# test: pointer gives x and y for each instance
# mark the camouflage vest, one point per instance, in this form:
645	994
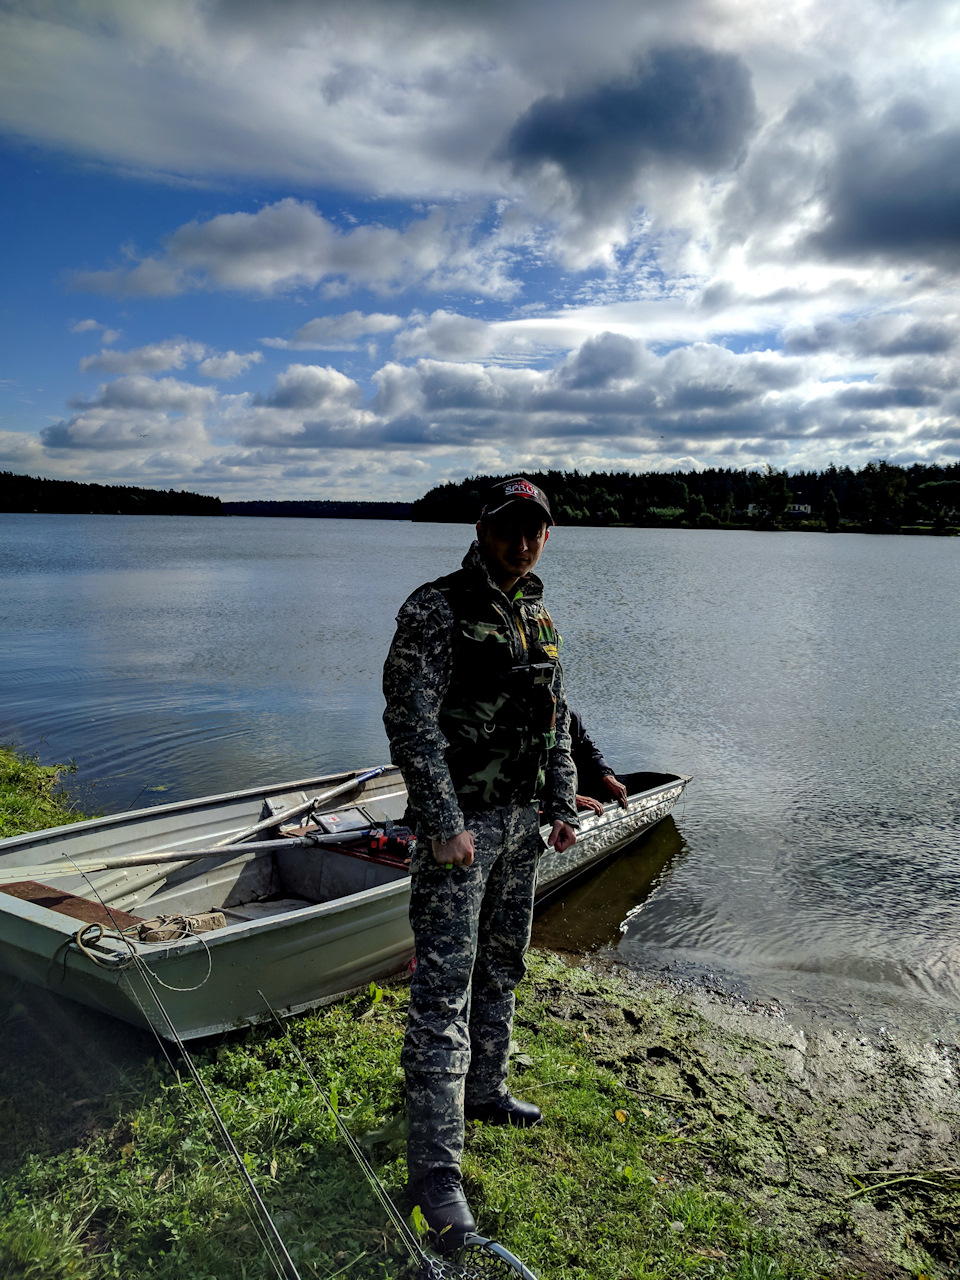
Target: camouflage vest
499	712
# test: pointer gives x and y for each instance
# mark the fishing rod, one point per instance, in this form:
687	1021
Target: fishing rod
306	806
477	1259
317	840
238	845
267	1228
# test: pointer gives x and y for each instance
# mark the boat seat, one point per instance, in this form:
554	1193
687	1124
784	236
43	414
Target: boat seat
261	910
68	904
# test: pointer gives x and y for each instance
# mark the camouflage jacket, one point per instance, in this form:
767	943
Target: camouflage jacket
438	693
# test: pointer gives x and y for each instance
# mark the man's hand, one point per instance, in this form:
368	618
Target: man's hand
562	836
588	802
457	850
616	789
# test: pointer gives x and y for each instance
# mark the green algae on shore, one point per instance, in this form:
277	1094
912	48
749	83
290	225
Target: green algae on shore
848	1146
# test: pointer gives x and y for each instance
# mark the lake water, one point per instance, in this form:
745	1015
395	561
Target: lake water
808	683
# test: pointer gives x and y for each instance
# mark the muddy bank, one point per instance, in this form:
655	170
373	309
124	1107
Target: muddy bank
848	1144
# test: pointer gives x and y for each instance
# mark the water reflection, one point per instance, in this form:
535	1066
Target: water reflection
588	918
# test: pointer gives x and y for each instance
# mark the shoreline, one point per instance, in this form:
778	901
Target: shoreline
751	1149
846	1144
724	1140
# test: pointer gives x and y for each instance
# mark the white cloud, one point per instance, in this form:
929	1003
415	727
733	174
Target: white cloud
157	357
447	335
337	332
135	413
311	386
173	353
229	365
138	392
108	336
290	245
20	451
614	397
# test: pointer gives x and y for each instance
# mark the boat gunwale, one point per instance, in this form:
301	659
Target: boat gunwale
107	820
615	813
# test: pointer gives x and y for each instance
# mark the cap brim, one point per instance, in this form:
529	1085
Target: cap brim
520	502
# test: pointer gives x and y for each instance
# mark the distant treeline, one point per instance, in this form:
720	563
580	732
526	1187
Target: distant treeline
314	510
68	497
879	498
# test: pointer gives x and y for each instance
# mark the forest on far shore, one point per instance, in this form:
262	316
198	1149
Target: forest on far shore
72	497
879	498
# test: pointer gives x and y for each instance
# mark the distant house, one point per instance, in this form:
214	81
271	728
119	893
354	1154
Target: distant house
794	509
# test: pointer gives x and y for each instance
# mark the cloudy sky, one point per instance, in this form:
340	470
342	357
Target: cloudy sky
300	248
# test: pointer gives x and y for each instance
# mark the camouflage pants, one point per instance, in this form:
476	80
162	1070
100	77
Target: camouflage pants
471	927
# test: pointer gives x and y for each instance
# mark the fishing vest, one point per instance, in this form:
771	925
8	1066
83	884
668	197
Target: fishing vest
499	713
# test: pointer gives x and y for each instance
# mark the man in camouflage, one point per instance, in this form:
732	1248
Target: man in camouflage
478	724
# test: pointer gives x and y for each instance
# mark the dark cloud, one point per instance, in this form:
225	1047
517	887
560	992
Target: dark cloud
607	358
909	115
894	195
57	436
886	336
406	431
686	105
699	396
828	100
866	397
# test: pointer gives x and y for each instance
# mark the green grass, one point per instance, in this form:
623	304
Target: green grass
606	1187
30	794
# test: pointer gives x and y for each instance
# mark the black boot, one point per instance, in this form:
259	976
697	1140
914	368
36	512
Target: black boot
439	1194
505	1110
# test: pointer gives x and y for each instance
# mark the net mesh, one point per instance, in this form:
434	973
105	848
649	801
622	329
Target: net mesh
478	1259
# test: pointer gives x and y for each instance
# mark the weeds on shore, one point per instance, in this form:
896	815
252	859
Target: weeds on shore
30	794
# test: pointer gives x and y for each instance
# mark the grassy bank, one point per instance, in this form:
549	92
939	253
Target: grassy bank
683	1137
130	1182
673	1146
30	794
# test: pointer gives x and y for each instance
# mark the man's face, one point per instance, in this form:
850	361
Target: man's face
511	541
